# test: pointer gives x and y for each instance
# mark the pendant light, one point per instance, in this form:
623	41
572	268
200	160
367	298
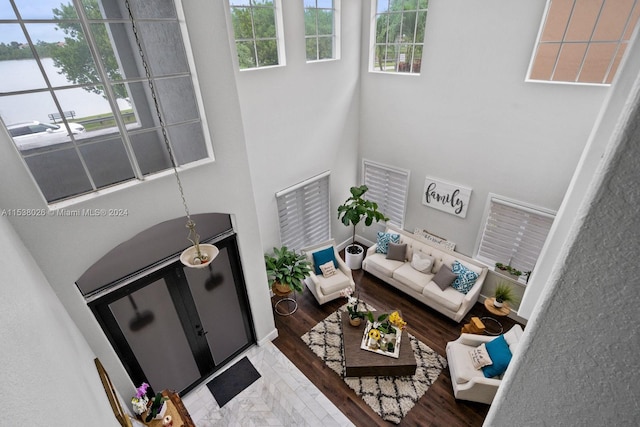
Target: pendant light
199	255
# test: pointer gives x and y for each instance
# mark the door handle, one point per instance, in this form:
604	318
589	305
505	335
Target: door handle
200	331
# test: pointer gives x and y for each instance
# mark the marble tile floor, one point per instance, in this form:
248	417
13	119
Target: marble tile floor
282	396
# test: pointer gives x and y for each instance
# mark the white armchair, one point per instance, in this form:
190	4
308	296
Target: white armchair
325	289
469	383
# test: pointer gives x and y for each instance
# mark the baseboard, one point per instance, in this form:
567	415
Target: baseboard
359	239
269	337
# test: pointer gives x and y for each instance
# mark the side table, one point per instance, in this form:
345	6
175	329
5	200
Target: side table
284	299
493	326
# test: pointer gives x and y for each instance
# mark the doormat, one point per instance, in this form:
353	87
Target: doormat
231	382
390	397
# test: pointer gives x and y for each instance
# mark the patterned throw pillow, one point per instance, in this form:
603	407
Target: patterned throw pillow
466	278
383	241
480	357
328	269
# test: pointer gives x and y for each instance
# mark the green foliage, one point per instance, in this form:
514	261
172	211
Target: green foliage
505	293
356	208
74	57
508	269
287	267
156	404
255	24
384	325
318	23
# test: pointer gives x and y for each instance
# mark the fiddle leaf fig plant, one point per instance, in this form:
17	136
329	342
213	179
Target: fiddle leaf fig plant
356	208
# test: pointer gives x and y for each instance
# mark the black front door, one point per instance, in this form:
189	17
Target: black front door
175	326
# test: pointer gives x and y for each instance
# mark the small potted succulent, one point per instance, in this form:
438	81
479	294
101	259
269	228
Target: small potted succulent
509	271
504	294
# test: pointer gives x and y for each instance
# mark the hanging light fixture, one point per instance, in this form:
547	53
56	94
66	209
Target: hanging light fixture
199	255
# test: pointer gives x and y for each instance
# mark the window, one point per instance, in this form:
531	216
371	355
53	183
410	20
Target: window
388	188
256	31
583	41
75	99
398	36
303	210
513	233
320	29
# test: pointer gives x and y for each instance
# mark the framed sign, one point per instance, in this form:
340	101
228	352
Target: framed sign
447	197
437	240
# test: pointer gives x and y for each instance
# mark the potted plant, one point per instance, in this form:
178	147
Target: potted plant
286	270
508	270
504	294
351	212
157	408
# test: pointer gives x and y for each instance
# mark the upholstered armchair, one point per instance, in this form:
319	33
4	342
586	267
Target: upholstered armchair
326	287
468	382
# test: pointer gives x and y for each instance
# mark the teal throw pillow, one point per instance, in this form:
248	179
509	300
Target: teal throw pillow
322	257
466	278
383	241
500	356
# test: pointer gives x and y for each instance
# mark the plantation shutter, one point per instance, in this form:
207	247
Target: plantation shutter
303	211
388	188
513	234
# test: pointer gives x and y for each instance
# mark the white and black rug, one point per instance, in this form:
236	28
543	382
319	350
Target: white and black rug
390	397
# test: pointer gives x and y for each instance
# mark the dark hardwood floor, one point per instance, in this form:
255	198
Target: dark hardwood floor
437	407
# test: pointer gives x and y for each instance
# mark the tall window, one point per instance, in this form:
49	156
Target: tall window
256	28
388	188
513	233
75	99
321	25
583	41
398	36
303	211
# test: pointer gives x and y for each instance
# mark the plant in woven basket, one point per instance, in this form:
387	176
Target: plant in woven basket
287	268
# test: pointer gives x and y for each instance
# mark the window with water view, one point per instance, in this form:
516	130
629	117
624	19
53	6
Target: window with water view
75	99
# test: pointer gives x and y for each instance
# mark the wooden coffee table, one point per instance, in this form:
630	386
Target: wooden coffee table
363	363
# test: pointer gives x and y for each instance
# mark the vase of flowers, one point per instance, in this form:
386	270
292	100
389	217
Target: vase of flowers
353	307
140	401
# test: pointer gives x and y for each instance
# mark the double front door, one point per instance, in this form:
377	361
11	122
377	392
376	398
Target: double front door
175	326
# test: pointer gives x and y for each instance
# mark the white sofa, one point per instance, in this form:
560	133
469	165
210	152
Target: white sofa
402	275
470	383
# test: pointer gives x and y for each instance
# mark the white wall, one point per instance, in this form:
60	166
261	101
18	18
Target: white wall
64	247
302	119
471	119
578	362
47	370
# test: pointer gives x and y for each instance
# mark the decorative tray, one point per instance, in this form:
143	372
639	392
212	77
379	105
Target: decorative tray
379	346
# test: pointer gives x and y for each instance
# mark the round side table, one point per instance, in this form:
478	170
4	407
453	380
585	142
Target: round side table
493	326
289	305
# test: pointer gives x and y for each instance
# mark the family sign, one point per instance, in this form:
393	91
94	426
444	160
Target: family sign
447	197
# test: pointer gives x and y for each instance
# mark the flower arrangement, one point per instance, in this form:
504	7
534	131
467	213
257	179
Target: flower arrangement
140	400
353	304
383	329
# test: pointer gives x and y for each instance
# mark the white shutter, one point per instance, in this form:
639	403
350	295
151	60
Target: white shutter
303	211
388	188
513	234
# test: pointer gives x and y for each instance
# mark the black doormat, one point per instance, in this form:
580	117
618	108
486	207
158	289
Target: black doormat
228	384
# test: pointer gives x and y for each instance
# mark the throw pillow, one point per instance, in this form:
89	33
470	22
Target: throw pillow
383	241
397	251
444	277
480	357
422	262
322	257
500	355
328	269
465	278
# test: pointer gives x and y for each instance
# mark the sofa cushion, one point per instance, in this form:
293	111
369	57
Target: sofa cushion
411	277
323	256
465	278
380	263
480	357
383	241
334	283
397	251
462	369
444	277
422	262
449	298
500	355
328	269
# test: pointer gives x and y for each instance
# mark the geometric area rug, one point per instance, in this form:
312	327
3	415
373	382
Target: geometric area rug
390	397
